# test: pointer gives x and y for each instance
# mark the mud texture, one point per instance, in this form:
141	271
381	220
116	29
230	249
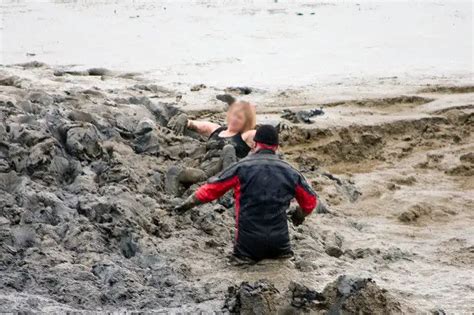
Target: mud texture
345	295
84	199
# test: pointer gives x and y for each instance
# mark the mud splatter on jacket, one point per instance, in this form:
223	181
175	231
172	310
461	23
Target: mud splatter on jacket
263	187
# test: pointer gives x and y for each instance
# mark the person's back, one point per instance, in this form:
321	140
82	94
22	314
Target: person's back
267	185
263	187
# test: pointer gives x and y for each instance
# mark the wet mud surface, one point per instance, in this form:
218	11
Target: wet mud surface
84	223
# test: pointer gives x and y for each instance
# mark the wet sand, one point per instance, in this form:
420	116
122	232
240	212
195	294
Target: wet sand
258	43
84	223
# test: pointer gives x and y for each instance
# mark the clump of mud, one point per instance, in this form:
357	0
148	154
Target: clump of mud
345	295
257	298
349	295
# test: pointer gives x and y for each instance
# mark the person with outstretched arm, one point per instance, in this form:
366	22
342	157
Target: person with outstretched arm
264	186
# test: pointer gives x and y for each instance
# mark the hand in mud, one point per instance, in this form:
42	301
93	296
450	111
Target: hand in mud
296	216
178	123
181	208
188	204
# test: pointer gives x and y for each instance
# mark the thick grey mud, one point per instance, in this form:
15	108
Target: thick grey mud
84	220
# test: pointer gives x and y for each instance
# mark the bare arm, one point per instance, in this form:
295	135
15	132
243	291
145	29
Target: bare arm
248	137
204	128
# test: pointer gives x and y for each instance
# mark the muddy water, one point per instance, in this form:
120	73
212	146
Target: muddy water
259	43
83	208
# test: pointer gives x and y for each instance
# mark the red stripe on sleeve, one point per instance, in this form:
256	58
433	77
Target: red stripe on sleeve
306	200
212	191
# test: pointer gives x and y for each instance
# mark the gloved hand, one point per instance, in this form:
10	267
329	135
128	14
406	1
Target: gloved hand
297	216
178	123
188	204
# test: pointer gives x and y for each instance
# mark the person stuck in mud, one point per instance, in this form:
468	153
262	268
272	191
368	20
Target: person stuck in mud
263	187
225	144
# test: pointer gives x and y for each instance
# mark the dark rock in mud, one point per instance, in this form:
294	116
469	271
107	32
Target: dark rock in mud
241	90
99	71
226	98
345	187
333	244
302	296
128	245
198	87
302	116
438	311
257	298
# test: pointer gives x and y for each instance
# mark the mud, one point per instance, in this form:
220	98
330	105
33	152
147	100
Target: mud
84	199
345	295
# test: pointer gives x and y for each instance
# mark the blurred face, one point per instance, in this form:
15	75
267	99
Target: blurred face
236	121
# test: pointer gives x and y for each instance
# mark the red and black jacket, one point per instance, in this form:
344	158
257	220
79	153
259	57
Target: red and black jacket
263	187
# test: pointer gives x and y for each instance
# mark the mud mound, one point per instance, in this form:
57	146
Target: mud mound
82	202
257	298
384	142
415	213
348	295
345	295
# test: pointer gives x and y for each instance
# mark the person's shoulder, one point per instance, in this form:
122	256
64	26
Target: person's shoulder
288	166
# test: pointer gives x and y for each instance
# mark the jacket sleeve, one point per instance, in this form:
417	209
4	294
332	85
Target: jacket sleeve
218	185
305	195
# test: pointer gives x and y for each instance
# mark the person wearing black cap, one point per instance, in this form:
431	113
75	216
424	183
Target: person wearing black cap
264	186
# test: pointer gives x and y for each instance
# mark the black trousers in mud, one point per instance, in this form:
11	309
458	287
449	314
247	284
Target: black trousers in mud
270	244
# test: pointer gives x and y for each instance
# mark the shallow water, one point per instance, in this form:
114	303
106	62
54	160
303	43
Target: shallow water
257	43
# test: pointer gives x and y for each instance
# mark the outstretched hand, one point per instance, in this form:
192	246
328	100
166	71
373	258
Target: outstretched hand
178	123
181	208
186	205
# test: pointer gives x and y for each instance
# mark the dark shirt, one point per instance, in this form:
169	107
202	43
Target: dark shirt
241	147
